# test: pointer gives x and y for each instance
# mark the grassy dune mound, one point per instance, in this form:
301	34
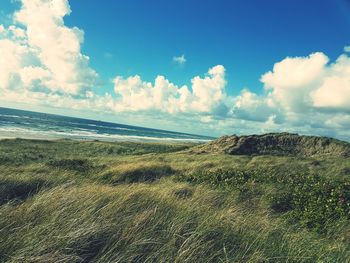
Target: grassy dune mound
284	144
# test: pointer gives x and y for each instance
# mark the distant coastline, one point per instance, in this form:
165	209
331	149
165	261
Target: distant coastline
34	125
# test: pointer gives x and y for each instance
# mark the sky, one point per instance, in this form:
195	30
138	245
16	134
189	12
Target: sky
206	67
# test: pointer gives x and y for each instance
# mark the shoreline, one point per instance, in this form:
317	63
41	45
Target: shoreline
102	138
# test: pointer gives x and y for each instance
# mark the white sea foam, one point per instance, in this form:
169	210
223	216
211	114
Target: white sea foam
18	132
112	128
15	116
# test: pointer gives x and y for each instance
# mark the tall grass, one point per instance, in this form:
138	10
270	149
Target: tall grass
75	202
149	223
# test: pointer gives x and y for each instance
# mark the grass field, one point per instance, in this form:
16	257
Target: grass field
68	201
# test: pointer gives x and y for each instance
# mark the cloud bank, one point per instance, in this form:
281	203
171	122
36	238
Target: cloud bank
41	63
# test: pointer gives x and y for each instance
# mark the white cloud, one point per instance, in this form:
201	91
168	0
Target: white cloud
303	84
292	79
250	106
208	94
181	60
334	92
40	44
13	57
17	32
296	72
306	93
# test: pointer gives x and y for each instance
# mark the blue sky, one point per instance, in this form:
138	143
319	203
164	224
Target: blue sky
127	37
248	38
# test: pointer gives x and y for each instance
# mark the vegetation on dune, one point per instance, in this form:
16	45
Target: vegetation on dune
277	144
67	201
316	202
20	151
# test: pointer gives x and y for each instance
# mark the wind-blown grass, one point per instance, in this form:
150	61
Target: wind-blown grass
147	223
76	202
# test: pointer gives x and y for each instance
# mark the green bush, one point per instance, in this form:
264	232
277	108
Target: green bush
312	200
282	201
317	201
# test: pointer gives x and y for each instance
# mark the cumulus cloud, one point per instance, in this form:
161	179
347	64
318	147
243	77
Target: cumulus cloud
311	92
181	60
250	106
207	94
291	80
334	92
310	83
38	52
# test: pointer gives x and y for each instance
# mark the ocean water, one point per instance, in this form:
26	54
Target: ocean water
33	125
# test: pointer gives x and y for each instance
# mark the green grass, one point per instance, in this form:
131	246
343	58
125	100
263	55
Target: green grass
67	201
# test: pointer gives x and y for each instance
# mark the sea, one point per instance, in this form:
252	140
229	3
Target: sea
34	125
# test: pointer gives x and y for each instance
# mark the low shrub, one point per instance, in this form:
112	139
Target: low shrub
312	200
282	201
